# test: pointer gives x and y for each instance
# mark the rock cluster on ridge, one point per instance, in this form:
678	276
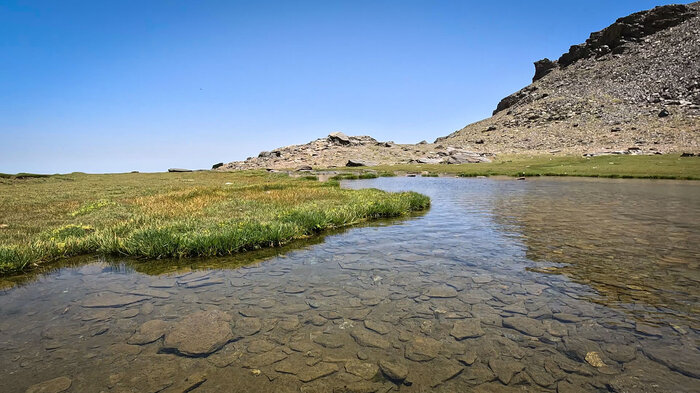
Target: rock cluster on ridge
631	87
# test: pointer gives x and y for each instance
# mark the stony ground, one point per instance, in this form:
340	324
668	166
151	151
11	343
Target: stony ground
633	88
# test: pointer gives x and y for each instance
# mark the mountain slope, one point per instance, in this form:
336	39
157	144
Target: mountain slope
633	87
635	84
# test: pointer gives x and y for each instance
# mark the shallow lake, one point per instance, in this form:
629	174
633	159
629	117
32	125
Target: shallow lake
551	285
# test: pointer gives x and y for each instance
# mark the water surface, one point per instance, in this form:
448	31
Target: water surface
551	285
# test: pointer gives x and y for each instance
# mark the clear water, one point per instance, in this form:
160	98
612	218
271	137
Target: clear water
566	285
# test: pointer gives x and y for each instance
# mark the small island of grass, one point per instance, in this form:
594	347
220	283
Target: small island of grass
175	215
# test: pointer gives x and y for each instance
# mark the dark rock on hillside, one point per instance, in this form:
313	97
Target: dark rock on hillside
179	170
267	154
543	67
217	165
357	162
515	98
628	29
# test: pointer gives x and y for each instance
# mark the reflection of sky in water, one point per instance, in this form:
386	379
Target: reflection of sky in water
462	212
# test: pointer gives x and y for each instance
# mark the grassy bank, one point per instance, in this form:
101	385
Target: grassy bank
175	215
622	166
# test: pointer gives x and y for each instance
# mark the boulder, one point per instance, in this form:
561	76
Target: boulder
360	162
339	138
269	154
217	165
179	170
425	160
304	168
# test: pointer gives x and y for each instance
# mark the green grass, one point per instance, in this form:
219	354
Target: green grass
175	215
615	166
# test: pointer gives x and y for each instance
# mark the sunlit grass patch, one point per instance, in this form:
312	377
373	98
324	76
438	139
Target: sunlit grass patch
162	216
666	166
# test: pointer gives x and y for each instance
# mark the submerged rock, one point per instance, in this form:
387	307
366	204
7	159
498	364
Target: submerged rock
149	332
320	370
56	385
422	349
505	369
394	371
529	326
369	339
593	358
361	369
467	328
379	327
200	333
442	291
109	299
677	359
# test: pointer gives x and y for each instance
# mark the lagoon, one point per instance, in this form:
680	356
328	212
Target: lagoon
551	285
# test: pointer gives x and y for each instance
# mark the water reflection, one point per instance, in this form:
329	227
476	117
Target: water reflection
460	299
635	242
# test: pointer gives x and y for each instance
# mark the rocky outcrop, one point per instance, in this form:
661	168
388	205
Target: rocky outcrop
341	150
631	28
634	84
543	67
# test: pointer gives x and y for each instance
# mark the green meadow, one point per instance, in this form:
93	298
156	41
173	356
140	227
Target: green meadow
613	166
175	215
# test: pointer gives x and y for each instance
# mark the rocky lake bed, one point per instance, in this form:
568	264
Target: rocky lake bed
546	285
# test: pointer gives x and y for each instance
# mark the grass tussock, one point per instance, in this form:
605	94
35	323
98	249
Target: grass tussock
175	215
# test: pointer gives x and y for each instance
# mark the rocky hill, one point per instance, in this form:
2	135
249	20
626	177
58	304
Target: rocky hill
633	86
338	149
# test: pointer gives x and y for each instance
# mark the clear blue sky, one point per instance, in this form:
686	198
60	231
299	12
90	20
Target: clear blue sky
113	86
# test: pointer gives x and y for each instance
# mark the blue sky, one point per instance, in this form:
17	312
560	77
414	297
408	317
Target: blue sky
114	86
